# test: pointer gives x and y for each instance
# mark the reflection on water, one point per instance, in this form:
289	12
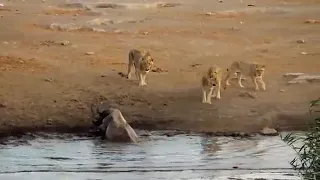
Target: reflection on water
157	157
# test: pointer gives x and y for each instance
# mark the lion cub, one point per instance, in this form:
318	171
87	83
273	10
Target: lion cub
143	62
253	70
211	82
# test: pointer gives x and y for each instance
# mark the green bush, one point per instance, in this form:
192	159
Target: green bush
307	161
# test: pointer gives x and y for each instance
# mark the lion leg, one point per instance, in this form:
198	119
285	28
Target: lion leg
204	96
214	93
140	79
137	72
209	96
130	64
144	79
217	89
254	80
239	80
227	79
262	84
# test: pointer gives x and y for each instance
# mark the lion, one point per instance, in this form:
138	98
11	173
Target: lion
143	63
211	83
253	70
112	125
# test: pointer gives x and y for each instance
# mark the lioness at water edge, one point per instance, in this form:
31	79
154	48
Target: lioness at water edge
211	84
143	63
253	70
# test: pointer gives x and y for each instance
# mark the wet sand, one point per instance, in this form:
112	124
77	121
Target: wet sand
48	86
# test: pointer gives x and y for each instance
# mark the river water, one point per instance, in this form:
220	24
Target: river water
154	157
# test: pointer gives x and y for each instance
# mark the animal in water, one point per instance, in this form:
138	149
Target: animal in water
253	70
211	84
143	63
112	125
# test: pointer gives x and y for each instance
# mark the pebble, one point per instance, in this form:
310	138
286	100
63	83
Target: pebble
269	132
49	121
118	31
3	105
304	53
48	79
235	29
282	90
293	75
209	13
145	33
311	21
65	43
89	53
220	1
300	41
251	5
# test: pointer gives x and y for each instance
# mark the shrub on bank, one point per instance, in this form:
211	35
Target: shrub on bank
307	161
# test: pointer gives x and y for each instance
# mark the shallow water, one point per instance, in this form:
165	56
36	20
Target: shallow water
155	157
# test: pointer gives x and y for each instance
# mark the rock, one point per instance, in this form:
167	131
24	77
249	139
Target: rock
305	78
248	94
251	5
98	30
118	31
300	41
232	178
235	167
269	132
3	105
282	90
49	121
64	27
159	70
145	33
220	1
65	43
5	42
297	81
48	80
209	13
146	134
195	65
304	53
89	53
111	6
235	29
293	75
311	21
100	21
162	5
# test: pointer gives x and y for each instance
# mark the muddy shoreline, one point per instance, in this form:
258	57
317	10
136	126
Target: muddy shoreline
173	126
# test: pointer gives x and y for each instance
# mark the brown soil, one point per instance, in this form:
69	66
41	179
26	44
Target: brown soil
49	86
